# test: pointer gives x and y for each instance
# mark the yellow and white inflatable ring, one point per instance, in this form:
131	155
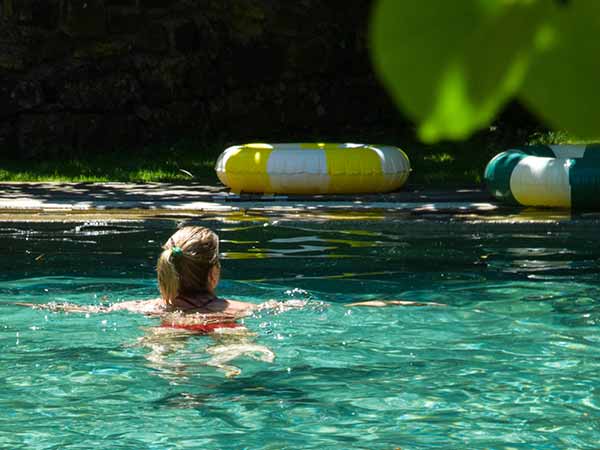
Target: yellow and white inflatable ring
314	168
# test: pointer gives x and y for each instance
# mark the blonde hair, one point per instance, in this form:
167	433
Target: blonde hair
184	266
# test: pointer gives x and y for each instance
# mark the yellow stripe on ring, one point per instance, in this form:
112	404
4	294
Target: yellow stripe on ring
353	175
247	170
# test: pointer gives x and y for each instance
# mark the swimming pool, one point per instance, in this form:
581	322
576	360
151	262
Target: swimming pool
511	362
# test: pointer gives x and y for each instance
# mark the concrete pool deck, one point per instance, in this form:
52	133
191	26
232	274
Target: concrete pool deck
57	201
50	196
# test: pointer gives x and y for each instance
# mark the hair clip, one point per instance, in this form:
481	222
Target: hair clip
176	250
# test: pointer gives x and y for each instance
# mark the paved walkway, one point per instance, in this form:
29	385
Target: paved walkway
197	197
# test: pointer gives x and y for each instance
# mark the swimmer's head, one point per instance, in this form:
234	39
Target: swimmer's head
189	264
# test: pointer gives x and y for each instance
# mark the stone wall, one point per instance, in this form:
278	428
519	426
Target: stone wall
95	75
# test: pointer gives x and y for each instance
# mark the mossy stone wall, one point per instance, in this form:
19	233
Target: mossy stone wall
96	75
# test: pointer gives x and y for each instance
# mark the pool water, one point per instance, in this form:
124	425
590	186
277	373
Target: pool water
512	361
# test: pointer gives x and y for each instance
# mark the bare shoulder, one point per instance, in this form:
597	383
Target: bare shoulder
245	308
154	306
239	308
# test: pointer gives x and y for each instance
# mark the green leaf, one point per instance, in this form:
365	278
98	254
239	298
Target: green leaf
563	82
451	65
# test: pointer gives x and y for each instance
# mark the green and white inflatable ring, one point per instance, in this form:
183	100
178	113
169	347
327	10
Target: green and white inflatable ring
565	176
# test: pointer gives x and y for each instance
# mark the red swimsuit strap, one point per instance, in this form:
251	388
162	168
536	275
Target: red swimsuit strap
200	327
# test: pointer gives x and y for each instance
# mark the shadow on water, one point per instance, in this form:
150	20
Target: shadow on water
272	386
330	250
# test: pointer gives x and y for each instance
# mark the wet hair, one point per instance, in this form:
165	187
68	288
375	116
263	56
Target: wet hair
184	266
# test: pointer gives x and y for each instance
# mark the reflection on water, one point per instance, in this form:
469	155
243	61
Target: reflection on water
167	351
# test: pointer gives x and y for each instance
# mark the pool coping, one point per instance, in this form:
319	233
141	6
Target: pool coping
59	201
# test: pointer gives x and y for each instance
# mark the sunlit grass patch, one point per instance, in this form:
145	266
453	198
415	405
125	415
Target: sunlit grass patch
439	158
174	163
558	137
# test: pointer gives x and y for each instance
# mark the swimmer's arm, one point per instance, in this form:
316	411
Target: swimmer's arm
65	307
385	303
138	306
154	306
296	304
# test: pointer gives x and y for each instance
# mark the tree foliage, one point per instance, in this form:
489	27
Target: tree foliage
452	65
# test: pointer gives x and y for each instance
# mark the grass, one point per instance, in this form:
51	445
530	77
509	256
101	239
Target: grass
443	164
107	169
180	162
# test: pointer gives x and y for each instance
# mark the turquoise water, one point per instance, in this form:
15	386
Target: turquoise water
513	361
